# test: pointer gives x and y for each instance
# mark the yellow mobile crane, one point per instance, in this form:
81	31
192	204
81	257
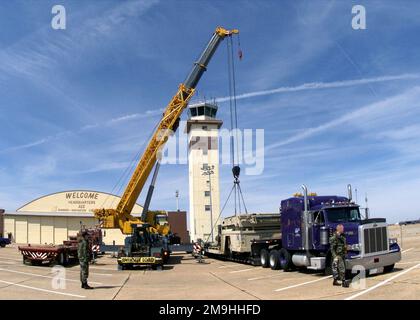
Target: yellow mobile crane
121	217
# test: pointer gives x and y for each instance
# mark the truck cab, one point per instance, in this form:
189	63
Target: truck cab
308	222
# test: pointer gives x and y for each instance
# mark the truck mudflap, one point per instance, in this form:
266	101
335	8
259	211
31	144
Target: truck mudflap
374	261
140	260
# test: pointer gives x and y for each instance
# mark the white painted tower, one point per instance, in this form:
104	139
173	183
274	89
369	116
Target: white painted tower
203	162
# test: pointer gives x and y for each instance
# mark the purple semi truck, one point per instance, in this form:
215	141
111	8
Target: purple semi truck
304	226
307	223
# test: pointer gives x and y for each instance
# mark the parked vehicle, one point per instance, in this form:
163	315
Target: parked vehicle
302	238
4	242
59	254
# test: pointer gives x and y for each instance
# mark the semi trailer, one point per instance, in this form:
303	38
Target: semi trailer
241	238
305	224
40	254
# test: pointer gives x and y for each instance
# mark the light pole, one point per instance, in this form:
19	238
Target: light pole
208	171
177	199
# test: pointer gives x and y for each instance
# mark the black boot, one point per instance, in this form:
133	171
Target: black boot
346	283
86	286
335	282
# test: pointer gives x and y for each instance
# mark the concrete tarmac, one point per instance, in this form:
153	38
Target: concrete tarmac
184	278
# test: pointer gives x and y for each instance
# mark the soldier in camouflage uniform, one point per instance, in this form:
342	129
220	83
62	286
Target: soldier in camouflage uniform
83	254
338	248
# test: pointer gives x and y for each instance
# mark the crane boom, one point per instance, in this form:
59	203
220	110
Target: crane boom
121	216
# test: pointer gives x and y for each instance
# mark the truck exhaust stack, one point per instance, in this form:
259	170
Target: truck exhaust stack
350	196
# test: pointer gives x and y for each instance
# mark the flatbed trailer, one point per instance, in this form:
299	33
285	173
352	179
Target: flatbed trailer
251	258
62	253
241	238
48	254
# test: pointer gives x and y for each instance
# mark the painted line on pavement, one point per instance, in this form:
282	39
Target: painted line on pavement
406	250
43	290
43	276
408	262
302	284
266	277
105	269
90	273
1	257
67	270
228	266
382	283
243	270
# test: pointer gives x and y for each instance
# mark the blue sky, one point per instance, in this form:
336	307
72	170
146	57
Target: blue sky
76	105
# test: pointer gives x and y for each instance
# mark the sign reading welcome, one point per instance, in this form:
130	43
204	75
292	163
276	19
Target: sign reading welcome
74	201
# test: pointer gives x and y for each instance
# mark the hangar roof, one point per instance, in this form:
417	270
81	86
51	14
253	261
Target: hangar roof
72	202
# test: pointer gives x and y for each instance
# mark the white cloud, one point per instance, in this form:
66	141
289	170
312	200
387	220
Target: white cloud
409	99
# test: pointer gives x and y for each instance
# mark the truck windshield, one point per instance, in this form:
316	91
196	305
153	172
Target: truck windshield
161	220
343	214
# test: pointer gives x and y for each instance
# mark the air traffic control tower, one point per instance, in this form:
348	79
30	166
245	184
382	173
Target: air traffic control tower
203	165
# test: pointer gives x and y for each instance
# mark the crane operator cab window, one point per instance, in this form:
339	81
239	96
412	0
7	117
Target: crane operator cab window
161	220
141	236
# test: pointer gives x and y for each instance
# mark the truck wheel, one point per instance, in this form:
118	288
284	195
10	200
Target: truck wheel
274	260
285	260
2	244
389	268
121	267
264	258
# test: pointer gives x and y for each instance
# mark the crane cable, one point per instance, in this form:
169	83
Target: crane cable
234	137
236	188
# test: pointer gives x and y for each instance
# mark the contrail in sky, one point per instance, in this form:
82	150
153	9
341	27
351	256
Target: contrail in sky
302	87
320	85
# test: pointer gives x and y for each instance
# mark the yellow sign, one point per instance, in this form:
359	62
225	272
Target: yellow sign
80	201
138	260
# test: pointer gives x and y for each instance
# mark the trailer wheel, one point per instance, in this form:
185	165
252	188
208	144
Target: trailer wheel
265	258
285	260
63	258
274	260
26	261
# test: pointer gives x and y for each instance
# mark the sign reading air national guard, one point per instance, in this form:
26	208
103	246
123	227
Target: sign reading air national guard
75	201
